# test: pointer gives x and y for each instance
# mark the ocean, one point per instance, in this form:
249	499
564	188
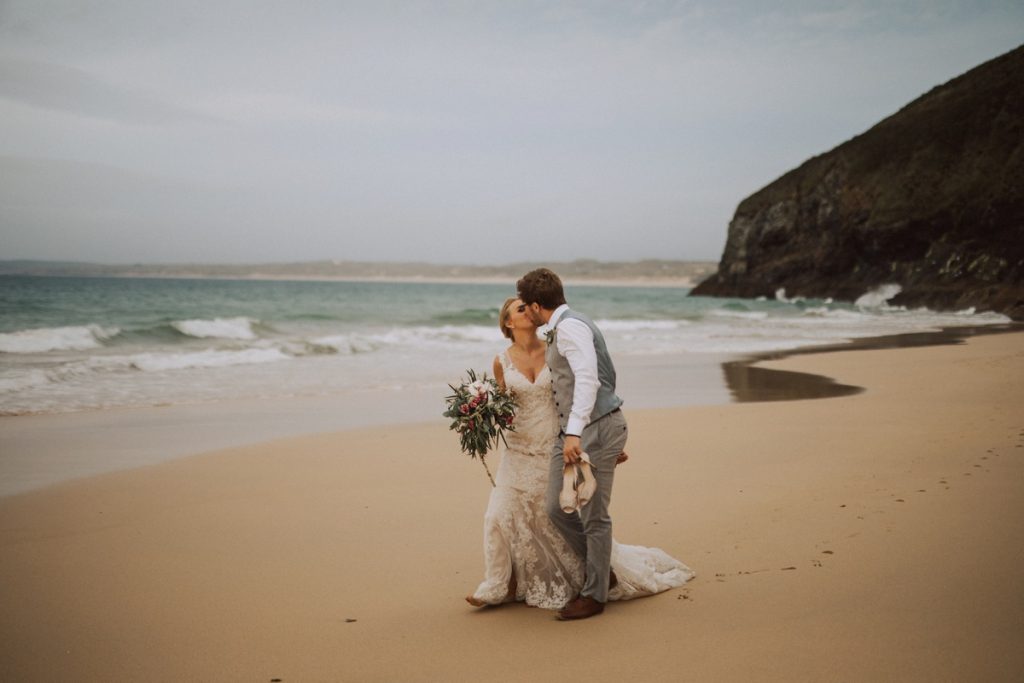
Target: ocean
86	344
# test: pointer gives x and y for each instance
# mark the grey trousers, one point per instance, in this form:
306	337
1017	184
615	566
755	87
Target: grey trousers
589	531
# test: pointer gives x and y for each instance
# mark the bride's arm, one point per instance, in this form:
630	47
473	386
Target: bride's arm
499	373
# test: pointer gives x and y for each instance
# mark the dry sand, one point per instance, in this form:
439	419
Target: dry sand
866	538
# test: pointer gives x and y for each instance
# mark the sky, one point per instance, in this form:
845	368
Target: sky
148	131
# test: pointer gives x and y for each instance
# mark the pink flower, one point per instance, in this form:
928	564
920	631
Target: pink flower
464	409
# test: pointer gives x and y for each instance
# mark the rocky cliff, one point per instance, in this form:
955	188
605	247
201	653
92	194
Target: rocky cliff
931	199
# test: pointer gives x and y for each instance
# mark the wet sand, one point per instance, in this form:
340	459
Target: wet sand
40	450
873	536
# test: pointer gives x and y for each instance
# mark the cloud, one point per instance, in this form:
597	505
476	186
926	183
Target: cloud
841	19
269	108
74	91
398	129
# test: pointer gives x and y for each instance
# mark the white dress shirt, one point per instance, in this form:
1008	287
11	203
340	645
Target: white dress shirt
575	342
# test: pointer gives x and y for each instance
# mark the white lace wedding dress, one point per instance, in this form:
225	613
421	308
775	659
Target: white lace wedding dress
519	537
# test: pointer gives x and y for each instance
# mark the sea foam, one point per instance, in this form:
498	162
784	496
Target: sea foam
17	381
218	328
343	343
878	297
155	362
41	340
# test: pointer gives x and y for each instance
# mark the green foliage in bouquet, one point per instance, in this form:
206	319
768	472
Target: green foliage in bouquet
481	413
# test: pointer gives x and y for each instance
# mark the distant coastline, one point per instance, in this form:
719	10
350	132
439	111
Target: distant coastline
645	273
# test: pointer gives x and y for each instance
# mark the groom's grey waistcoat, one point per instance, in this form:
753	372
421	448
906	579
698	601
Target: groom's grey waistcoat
563	382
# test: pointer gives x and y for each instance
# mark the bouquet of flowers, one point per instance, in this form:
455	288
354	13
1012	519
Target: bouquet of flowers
481	413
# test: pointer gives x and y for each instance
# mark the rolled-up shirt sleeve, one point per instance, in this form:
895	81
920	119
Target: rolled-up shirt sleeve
575	342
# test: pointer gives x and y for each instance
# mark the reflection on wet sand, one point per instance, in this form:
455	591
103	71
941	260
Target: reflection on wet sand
749	383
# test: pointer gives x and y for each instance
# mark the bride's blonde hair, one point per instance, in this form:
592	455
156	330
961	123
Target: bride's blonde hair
504	315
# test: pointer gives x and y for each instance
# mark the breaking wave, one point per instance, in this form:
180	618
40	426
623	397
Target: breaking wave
878	297
218	328
44	339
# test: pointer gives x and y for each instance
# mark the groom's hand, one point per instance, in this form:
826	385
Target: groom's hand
571	450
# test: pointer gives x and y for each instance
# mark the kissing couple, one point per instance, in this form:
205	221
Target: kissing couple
547	541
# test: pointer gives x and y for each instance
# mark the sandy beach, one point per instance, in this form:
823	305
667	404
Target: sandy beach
870	537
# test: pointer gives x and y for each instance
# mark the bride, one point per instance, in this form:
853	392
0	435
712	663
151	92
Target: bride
525	557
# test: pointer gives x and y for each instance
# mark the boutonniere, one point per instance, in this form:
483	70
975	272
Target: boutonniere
549	336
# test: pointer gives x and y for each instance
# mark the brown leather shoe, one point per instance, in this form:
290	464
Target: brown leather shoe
581	608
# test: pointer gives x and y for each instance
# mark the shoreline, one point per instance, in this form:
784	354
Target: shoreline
40	450
879	522
47	449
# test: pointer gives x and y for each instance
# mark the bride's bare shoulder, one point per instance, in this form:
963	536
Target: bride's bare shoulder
498	369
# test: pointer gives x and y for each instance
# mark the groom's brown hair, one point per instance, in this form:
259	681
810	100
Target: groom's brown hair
541	286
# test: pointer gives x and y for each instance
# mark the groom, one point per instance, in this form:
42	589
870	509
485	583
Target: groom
583	382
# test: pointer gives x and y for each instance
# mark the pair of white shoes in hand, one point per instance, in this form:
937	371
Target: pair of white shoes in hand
578	485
